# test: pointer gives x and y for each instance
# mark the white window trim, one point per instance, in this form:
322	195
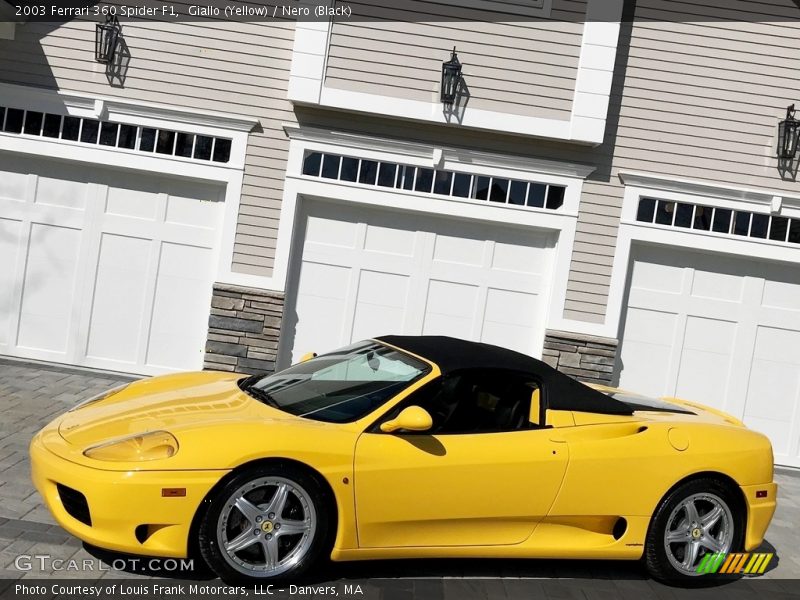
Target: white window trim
230	174
587	121
561	224
631	231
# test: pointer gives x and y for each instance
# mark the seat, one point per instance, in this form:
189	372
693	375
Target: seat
454	389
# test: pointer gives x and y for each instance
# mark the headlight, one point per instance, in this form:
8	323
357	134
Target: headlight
99	397
151	445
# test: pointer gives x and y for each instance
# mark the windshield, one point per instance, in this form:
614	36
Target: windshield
341	386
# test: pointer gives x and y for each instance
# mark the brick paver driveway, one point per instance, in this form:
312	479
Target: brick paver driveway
30	395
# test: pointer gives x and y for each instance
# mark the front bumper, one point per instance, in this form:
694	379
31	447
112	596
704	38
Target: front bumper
119	502
759	512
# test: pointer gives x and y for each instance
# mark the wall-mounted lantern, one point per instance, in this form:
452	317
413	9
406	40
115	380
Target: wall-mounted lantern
788	131
106	40
451	78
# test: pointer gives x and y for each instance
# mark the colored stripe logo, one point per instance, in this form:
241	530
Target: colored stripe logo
738	563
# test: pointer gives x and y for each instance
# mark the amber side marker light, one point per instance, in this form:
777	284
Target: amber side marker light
173	492
761	493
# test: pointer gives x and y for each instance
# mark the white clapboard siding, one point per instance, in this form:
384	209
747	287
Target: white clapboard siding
525	67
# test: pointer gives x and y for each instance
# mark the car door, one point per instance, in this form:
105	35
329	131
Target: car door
473	483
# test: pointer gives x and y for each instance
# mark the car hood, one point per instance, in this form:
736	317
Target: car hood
171	403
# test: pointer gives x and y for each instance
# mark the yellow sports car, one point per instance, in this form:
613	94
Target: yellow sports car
403	447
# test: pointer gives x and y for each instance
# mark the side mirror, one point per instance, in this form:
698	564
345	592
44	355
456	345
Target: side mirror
412	418
308	356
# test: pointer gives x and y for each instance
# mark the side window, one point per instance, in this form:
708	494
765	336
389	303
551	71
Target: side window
480	401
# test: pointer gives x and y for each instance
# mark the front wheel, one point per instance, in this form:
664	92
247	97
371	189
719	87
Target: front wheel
265	523
698	518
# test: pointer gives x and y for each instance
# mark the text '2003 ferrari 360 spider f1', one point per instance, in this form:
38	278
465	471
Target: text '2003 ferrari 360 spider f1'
403	447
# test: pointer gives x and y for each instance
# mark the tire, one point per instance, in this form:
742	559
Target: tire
283	508
679	538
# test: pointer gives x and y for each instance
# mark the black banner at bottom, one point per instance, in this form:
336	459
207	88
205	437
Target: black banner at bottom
399	589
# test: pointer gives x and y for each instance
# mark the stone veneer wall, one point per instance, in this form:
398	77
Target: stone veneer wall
584	357
243	329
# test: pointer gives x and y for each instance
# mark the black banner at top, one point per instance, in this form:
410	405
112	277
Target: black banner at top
429	11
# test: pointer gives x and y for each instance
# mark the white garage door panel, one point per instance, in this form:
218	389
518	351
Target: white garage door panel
176	340
119	298
10	232
720	330
48	288
382	299
112	270
367	272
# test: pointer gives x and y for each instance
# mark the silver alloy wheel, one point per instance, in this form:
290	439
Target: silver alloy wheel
700	524
266	527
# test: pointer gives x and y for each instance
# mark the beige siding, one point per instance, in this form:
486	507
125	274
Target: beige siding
524	67
239	68
702	101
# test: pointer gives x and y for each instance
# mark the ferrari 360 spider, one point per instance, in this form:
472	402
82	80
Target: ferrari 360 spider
402	447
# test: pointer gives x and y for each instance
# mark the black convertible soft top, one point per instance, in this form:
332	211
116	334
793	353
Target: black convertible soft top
453	354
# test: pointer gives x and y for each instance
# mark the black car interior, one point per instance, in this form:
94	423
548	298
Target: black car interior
477	401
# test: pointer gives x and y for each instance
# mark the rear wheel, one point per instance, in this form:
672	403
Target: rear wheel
698	518
265	523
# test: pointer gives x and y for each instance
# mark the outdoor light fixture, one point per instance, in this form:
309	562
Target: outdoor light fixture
106	40
451	77
788	131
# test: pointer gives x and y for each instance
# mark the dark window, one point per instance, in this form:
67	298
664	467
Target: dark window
646	211
555	197
166	142
330	166
482	188
665	212
442	182
148	142
127	137
517	195
536	195
462	185
369	172
70	129
408	178
741	223
759	227
349	169
722	220
777	232
683	215
424	181
222	150
794	231
483	401
387	174
2	115
499	190
33	123
52	126
108	134
312	163
14	118
702	218
183	145
89	131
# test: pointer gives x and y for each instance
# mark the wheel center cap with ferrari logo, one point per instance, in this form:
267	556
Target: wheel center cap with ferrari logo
267	527
697	532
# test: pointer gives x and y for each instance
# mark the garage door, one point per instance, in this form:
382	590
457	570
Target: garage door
366	273
721	330
103	268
